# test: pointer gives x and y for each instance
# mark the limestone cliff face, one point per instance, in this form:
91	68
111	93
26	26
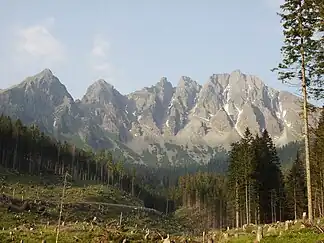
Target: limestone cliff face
190	117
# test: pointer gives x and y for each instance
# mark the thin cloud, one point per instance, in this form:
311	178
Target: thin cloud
100	47
100	58
37	46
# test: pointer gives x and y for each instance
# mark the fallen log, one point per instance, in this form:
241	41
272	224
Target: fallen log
19	209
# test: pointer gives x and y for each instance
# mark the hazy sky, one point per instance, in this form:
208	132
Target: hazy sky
131	44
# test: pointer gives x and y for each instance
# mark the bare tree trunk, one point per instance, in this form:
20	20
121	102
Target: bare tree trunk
315	203
220	214
280	208
61	208
295	203
133	187
197	200
258	210
271	202
108	175
306	128
72	162
247	203
322	200
237	206
15	154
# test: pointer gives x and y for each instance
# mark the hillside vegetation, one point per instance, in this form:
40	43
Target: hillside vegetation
101	191
90	211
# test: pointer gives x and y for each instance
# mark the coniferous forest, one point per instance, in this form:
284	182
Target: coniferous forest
253	190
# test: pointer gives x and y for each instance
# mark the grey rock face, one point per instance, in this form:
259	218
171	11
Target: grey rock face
42	99
190	117
105	106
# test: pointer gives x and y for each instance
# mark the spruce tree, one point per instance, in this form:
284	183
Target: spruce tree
296	186
300	53
317	155
234	175
318	14
269	180
247	163
241	181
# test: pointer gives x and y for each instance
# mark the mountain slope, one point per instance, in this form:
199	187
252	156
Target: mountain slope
160	124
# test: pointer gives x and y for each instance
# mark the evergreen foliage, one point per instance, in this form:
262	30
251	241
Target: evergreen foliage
296	188
317	165
302	60
28	150
254	190
301	21
257	182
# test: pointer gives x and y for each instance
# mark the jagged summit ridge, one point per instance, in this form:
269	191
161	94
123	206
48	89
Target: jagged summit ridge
99	91
213	114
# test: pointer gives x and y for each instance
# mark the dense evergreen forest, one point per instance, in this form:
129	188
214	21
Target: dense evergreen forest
287	153
28	150
253	190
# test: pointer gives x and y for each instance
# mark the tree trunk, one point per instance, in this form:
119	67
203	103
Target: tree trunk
322	199
271	203
15	154
306	128
108	175
247	203
237	206
295	203
220	214
133	188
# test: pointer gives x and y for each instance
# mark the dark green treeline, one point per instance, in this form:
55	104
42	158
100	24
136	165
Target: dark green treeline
28	150
255	188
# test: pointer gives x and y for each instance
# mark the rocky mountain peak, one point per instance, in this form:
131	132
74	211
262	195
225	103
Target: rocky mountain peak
163	81
45	82
236	72
101	92
164	85
186	81
45	73
214	114
99	88
102	84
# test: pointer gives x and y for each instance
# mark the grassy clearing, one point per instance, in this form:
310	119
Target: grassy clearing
83	202
294	235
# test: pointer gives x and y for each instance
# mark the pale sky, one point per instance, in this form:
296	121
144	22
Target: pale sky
132	44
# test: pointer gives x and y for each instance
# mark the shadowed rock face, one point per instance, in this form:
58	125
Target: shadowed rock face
190	116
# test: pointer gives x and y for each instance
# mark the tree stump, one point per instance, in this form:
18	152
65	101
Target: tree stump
287	225
259	235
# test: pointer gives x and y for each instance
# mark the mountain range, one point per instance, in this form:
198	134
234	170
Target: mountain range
161	124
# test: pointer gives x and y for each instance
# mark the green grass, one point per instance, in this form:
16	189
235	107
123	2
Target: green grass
85	200
82	202
291	236
41	233
50	188
299	236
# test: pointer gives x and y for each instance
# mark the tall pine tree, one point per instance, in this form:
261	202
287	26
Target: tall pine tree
300	55
296	188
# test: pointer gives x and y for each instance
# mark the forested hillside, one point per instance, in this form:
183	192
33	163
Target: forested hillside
253	189
27	150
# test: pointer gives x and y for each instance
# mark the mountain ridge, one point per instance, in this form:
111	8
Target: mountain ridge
160	120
